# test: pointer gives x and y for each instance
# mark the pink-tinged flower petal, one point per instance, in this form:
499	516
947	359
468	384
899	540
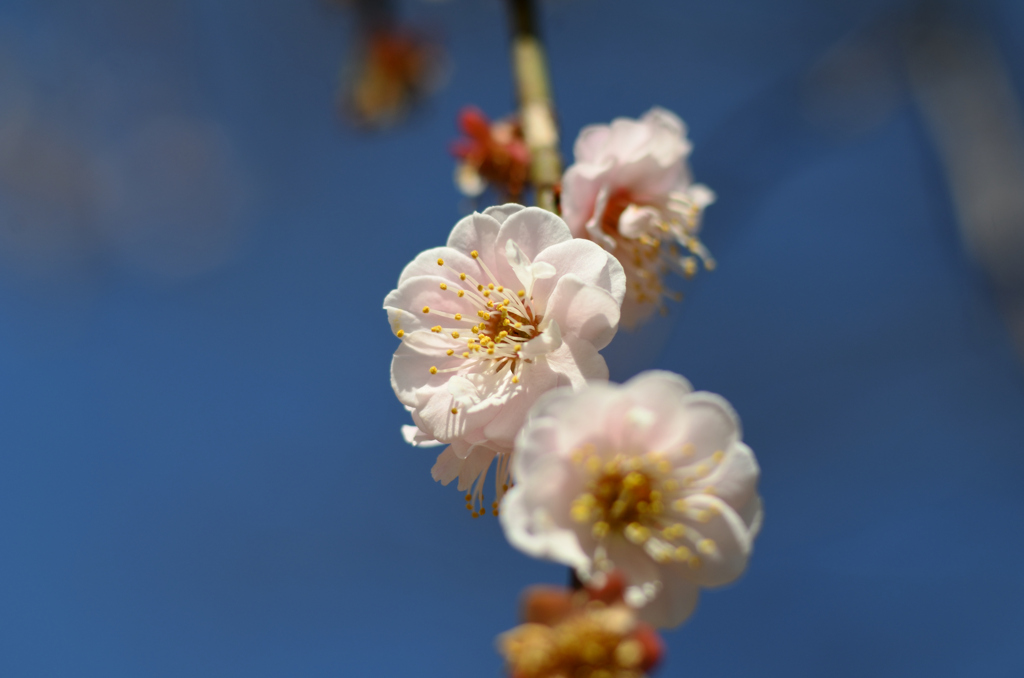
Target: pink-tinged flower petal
405	305
474	465
417	438
447	467
664	395
425	263
580	186
676	601
533	230
725	545
588	262
584	311
577	363
709	424
534	519
476	232
735	478
502	212
643	576
591	142
537	380
411	377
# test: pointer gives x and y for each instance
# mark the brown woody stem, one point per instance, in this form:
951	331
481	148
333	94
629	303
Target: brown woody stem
536	106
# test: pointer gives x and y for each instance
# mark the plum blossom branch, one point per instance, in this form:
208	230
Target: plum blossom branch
536	105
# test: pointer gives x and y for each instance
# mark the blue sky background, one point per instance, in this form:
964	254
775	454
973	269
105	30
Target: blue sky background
201	472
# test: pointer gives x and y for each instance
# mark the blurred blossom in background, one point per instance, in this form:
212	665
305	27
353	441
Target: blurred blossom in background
201	466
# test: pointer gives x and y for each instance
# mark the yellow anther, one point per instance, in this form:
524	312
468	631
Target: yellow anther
521	293
519	325
580	512
515	379
633	480
462	276
426	309
444	286
490	286
683	554
600	529
593	464
455	410
474	254
501	288
400	333
474	329
637	533
718	456
436	328
458	316
707	546
433	370
702	469
487	293
490	351
460	293
440	262
680	505
465	354
490	304
502	335
455	335
451	351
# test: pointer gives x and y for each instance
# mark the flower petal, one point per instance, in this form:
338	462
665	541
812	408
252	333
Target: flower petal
405	305
732	542
589	262
447	467
475	232
417	438
584	311
425	263
502	212
534	230
534	519
675	603
709	424
734	479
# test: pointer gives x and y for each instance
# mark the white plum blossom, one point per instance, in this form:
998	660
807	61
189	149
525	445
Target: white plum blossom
648	478
511	308
631	191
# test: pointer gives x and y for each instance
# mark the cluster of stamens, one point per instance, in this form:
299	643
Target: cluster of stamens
645	259
475	501
495	334
644	499
593	643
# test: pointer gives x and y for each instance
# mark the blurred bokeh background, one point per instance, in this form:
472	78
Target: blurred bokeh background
201	472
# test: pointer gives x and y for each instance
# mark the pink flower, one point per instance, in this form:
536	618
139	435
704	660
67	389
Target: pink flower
630	190
511	308
649	478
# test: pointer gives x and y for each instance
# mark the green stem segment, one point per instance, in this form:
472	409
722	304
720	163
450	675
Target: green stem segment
536	106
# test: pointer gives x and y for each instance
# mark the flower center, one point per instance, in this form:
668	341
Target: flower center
641	253
494	335
644	500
